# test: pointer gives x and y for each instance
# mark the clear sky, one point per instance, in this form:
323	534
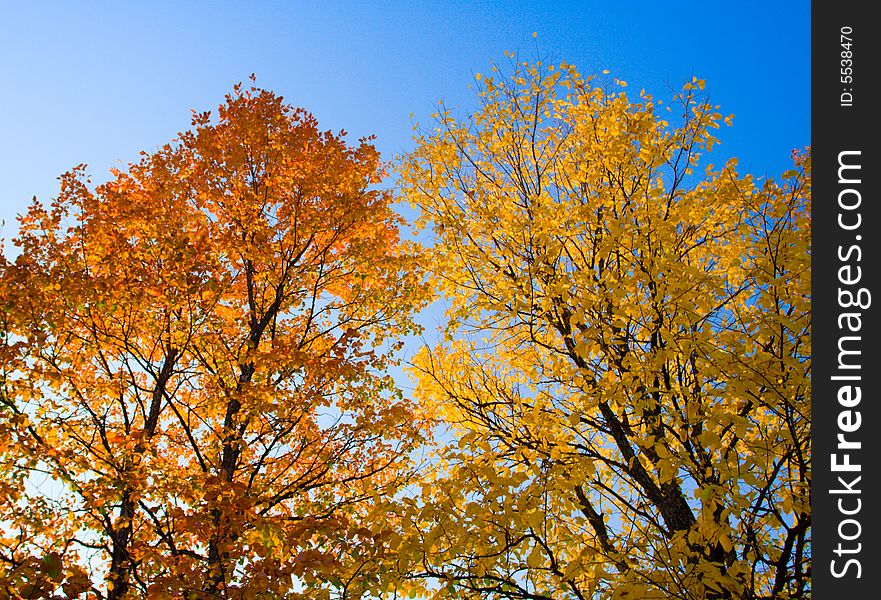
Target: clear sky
97	82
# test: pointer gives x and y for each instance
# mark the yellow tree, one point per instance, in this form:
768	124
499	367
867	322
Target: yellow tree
625	371
197	355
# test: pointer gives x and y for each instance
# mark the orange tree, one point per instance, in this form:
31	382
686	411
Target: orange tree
195	361
626	365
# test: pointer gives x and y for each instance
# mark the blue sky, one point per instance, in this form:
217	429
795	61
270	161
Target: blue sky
97	82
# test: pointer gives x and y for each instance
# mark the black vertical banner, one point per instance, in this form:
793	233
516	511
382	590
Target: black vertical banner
846	299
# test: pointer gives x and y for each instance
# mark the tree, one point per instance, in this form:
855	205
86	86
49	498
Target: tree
625	371
196	359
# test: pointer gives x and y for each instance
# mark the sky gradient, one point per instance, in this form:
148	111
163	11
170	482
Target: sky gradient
99	82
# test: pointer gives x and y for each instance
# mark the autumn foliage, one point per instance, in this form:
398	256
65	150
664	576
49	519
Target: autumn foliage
625	371
196	400
196	397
